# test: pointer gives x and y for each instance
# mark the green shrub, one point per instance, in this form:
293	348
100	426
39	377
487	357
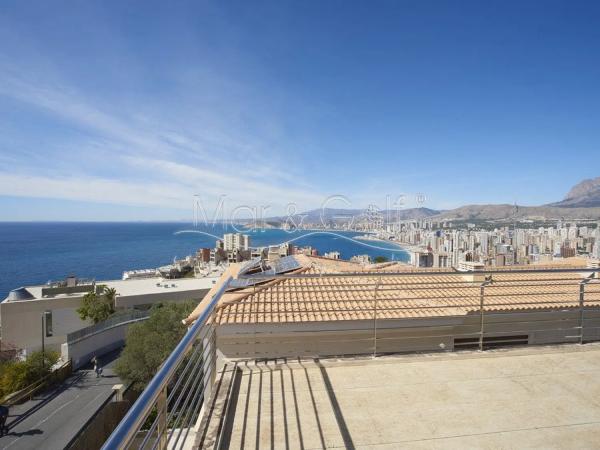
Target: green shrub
148	343
16	374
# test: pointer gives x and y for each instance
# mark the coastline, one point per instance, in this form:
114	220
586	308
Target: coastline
405	247
365	236
43	251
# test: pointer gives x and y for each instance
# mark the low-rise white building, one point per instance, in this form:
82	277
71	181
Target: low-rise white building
21	312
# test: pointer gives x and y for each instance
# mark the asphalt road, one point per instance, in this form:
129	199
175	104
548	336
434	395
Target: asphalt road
53	418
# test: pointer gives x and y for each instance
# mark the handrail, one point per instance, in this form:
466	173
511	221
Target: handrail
121	319
135	417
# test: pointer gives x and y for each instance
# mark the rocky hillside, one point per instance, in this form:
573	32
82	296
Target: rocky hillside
501	212
581	202
583	195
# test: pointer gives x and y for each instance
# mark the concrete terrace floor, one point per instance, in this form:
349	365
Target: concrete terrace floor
534	397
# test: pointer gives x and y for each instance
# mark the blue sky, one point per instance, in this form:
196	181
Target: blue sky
125	110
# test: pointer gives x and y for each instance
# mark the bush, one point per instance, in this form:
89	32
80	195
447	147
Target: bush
148	343
16	374
381	259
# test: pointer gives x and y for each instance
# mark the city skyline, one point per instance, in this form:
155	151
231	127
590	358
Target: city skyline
118	113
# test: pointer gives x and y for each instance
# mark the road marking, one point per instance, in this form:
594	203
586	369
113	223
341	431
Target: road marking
60	408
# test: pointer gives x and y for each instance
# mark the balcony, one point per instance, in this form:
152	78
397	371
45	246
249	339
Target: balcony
535	397
308	359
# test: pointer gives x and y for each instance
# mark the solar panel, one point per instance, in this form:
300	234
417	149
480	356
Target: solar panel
249	265
239	283
281	265
285	264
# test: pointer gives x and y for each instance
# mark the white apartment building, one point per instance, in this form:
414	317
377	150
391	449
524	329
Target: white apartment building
332	255
236	241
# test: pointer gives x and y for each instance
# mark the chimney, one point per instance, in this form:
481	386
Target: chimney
71	281
472	271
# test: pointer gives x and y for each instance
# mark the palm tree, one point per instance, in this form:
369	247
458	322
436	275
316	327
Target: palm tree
98	305
110	294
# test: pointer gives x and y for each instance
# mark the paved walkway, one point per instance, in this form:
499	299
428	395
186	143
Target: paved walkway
53	418
537	397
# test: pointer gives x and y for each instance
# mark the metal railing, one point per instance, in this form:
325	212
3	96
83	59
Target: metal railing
120	319
411	311
363	313
168	408
64	283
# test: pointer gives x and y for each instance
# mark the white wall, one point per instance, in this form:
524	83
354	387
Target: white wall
21	322
99	343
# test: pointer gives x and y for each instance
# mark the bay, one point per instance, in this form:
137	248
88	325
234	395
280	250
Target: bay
36	252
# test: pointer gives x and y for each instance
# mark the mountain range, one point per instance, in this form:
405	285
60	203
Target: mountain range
581	202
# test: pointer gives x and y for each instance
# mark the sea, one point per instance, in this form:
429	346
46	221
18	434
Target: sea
35	252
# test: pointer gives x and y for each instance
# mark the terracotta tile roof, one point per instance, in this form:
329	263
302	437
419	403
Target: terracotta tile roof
353	298
327	291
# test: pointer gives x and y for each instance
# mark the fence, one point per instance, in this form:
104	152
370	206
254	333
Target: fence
130	316
58	375
314	315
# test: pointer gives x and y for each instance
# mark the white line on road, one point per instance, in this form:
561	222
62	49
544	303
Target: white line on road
57	410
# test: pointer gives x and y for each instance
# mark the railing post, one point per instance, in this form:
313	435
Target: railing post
161	406
213	349
375	319
582	284
209	342
254	318
481	312
581	302
481	297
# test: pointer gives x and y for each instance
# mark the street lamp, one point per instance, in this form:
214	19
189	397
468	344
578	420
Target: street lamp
46	332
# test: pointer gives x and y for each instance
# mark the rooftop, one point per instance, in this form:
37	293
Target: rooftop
19	294
535	397
311	361
395	291
125	288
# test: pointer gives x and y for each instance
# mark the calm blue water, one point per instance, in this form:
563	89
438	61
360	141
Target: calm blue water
33	253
